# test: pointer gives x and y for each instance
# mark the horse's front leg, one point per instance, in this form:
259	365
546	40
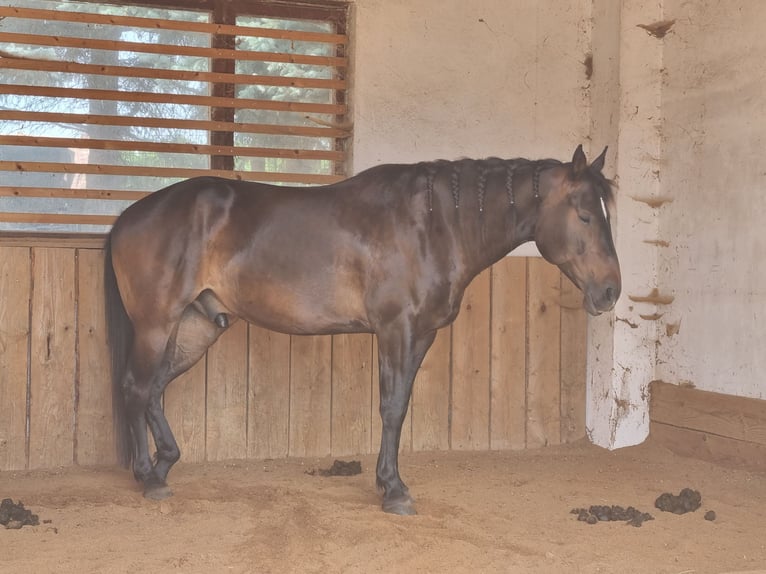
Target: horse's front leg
400	354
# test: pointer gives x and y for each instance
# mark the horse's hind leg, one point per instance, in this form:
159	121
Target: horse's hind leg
145	360
192	337
400	355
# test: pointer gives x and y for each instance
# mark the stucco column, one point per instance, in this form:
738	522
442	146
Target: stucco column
625	100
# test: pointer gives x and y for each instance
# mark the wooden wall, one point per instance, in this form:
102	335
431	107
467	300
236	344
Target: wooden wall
508	374
724	429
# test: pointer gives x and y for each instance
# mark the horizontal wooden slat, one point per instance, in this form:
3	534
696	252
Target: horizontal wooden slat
65	218
181	25
721	450
218	53
163	98
52	167
159	147
71	240
159	73
165	123
65	192
739	418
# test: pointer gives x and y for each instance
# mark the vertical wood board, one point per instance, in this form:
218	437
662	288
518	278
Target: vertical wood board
470	368
269	391
543	354
52	372
574	335
508	355
226	436
431	396
185	410
14	355
310	367
94	433
351	394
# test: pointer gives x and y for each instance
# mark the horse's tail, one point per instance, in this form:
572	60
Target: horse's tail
120	338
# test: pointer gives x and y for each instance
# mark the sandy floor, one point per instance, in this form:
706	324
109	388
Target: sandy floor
485	512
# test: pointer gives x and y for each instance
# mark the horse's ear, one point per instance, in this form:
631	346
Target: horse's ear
598	163
579	162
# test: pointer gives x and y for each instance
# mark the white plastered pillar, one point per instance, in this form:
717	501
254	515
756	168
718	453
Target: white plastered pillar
625	114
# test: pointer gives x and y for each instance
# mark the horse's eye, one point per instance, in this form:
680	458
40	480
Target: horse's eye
584	217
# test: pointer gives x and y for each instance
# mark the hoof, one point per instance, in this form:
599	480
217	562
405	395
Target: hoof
400	506
157	491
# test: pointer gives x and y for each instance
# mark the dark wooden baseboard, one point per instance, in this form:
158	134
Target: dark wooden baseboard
723	429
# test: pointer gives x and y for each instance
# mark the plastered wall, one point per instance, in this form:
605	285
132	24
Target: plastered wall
449	78
713	175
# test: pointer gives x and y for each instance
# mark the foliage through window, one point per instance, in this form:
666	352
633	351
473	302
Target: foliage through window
101	104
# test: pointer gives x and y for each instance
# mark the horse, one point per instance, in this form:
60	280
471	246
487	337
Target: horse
389	251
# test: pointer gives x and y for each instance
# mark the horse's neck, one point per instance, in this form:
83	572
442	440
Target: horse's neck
489	206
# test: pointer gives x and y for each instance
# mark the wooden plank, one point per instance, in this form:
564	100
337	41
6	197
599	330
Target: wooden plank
405	442
721	450
166	24
171	49
574	338
52	364
134	170
69	193
739	418
94	433
172	123
165	74
470	368
543	354
15	280
508	365
185	410
226	436
166	98
26	239
269	392
310	365
164	147
22	217
351	394
431	398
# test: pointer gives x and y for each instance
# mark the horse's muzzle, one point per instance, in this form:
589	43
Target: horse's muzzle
601	298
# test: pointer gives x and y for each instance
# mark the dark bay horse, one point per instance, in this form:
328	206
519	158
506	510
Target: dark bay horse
389	251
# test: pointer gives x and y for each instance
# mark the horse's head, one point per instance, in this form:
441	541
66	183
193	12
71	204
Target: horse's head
573	230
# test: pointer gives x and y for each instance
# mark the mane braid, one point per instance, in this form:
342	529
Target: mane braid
509	169
430	173
536	179
455	183
481	185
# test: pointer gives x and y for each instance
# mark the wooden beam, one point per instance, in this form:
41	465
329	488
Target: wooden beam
712	448
738	418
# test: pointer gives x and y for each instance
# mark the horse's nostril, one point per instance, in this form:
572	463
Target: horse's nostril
610	294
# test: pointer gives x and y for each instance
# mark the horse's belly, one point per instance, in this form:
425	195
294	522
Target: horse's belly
303	308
